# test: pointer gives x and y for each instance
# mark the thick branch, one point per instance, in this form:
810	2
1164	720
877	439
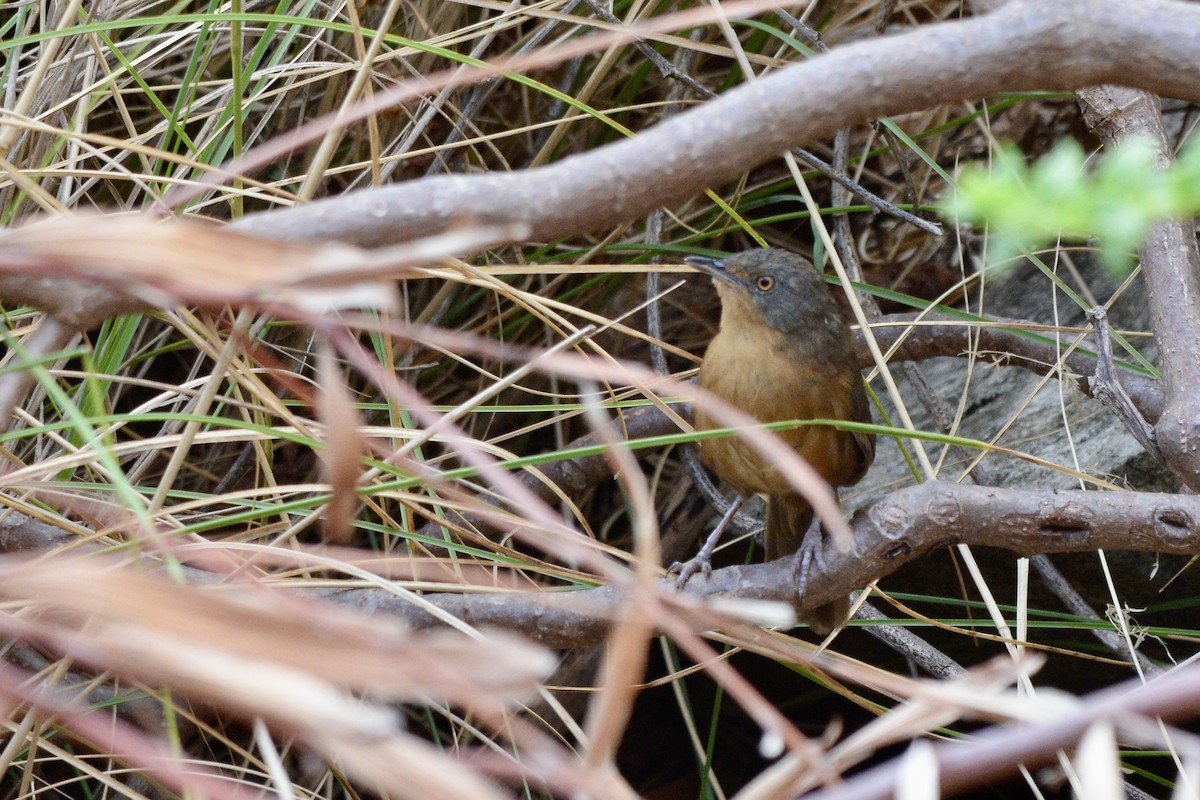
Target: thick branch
890	533
1027	45
1171	262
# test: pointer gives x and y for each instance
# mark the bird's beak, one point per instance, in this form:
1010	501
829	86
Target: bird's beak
715	267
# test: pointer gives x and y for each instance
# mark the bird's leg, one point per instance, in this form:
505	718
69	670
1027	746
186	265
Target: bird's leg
809	554
824	618
702	561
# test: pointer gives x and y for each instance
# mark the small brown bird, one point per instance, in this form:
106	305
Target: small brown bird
783	352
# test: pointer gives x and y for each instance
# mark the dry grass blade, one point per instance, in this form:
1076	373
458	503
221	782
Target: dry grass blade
630	638
343	449
1097	764
408	767
918	773
981	692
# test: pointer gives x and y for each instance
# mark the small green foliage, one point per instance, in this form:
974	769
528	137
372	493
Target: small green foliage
1027	205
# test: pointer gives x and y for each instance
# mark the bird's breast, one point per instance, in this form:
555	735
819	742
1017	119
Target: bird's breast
772	379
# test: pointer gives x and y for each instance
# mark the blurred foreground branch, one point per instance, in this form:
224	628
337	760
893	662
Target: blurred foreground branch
999	752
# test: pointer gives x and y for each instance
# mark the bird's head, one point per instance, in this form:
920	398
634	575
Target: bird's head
782	288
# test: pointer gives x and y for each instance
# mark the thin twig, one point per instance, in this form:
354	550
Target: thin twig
999	752
1106	388
908	644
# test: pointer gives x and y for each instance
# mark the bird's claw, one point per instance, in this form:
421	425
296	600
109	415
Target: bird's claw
827	617
686	569
805	557
809	556
702	561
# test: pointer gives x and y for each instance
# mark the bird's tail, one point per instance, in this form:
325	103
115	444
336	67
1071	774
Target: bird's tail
788	520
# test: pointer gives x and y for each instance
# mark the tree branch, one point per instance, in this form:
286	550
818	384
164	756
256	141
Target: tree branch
1171	262
1027	45
889	533
999	341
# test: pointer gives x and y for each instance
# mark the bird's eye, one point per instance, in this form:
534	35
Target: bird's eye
765	283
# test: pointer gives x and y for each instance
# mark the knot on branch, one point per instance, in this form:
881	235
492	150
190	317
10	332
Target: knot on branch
1167	523
896	526
1065	521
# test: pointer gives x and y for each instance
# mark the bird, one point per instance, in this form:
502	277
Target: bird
783	351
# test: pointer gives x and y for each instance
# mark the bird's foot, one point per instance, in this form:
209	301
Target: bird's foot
825	618
684	570
702	562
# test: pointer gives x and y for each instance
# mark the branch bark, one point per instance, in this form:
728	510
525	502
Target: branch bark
999	341
888	534
1171	262
1028	45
